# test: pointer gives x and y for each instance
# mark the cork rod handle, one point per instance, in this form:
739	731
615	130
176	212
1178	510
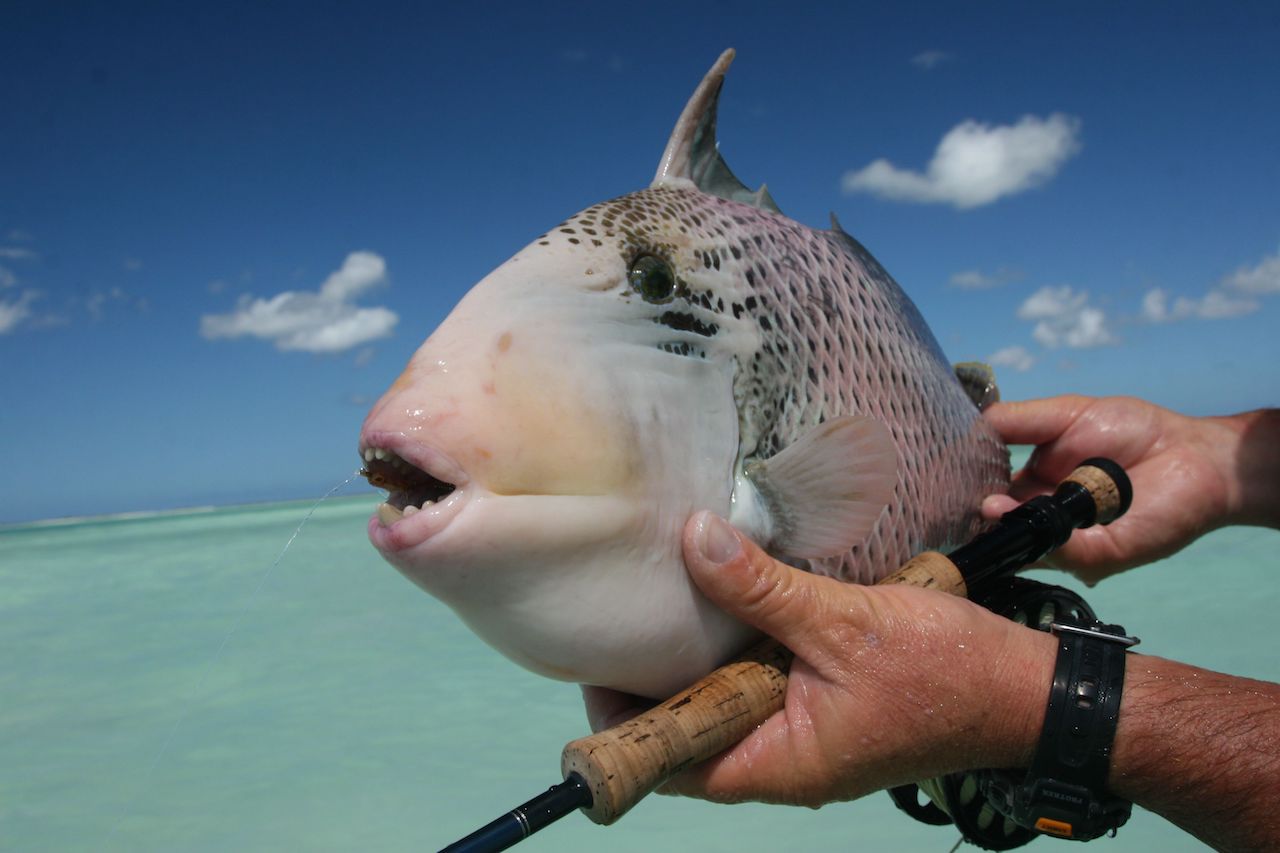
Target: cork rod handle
624	764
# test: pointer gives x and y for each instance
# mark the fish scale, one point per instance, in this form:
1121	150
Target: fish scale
681	348
828	314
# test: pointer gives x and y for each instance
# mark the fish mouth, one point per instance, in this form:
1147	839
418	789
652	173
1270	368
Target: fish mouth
425	489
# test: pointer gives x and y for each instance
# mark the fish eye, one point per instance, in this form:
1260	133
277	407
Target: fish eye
652	278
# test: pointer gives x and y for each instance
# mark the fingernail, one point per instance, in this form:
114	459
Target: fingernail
717	540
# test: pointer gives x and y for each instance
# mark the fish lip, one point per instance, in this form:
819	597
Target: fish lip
428	522
416	452
418	529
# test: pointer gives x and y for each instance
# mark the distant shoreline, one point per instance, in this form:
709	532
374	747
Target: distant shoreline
145	514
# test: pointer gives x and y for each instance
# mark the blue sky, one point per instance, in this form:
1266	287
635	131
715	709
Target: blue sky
224	228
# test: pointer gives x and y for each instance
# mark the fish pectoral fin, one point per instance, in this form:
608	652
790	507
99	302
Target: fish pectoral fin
825	492
979	382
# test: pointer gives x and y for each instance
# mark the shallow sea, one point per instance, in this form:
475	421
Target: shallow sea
161	690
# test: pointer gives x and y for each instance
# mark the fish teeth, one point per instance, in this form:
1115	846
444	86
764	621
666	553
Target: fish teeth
382	454
388	515
411	509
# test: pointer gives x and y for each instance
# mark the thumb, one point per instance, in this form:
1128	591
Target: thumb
744	581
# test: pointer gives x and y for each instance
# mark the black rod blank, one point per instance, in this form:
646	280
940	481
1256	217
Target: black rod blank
1033	529
524	820
1022	536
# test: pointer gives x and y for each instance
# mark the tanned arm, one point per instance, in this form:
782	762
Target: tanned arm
1201	749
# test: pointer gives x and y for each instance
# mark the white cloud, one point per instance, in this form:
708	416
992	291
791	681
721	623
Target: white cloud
1214	305
978	280
1259	280
1234	296
359	272
928	60
1155	306
975	163
972	280
13	313
1217	305
14	253
94	304
97	302
1015	357
326	321
1063	317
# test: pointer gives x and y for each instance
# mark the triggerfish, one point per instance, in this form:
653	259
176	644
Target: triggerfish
684	347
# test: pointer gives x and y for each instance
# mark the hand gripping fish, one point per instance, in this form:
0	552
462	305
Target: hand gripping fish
680	348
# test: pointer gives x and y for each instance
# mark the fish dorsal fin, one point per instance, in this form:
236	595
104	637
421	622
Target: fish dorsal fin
692	152
838	230
845	237
825	492
979	382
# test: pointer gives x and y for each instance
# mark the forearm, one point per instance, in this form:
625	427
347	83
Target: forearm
1202	749
1255	467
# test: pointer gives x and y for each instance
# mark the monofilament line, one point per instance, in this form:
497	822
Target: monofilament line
217	655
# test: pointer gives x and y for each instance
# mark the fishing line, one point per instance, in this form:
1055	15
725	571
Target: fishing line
217	655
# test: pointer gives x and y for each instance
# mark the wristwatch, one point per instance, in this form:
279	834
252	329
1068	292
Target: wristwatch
1064	791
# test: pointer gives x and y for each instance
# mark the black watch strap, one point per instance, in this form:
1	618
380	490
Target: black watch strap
1065	792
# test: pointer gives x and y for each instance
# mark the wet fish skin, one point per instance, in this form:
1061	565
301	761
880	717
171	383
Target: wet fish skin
829	333
574	410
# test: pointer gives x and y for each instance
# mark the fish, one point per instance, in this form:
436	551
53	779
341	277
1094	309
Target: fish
680	348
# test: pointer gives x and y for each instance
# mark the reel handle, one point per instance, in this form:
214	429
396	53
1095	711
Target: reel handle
624	764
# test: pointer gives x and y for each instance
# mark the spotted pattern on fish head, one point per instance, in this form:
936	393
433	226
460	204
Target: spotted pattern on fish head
628	368
695	319
814	328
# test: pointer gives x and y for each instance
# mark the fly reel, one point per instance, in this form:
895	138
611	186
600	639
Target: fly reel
977	802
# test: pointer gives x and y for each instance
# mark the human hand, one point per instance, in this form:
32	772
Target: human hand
1184	474
889	685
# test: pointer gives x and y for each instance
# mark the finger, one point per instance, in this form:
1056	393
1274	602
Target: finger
1035	421
1032	480
769	765
1093	554
994	506
1025	485
747	583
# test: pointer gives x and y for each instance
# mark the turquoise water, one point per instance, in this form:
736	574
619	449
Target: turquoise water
150	699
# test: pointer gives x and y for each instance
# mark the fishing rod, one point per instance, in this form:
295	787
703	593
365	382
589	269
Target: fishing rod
607	773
